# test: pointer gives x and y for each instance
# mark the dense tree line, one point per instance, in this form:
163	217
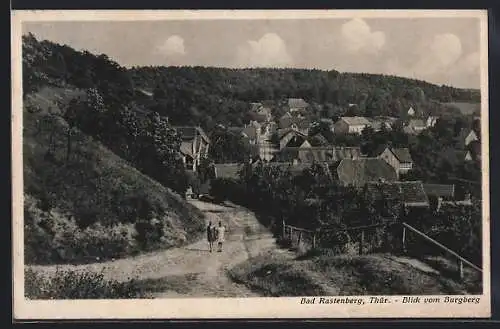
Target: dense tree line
334	91
210	96
108	111
310	200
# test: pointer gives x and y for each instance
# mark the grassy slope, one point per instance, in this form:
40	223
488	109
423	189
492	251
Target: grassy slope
94	186
273	275
466	108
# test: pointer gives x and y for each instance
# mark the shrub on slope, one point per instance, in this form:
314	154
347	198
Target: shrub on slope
92	204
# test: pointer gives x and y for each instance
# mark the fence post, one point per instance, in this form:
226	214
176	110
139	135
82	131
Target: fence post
314	240
284	229
361	242
404	240
461	269
300	237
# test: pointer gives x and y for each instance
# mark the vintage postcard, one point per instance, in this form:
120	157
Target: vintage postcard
250	164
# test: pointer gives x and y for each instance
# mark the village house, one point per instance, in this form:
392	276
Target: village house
322	154
194	145
414	126
328	122
290	138
297	105
259	138
463	155
470	153
410	193
358	172
378	122
295	168
440	193
295	122
474	151
431	121
399	158
260	113
466	136
351	125
250	133
318	140
411	111
227	170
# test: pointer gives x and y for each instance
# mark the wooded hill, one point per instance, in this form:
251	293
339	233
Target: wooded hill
206	96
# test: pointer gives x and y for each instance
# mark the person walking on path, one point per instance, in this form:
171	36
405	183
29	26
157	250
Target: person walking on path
211	232
221	230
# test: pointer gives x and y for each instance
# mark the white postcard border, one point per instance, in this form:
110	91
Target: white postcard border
283	307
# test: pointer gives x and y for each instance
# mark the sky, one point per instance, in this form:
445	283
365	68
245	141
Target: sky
438	50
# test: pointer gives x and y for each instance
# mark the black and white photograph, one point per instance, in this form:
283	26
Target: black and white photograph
332	161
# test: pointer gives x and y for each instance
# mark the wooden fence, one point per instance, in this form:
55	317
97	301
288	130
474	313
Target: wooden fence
309	238
460	260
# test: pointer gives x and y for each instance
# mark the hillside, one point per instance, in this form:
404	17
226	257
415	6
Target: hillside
207	96
324	275
92	205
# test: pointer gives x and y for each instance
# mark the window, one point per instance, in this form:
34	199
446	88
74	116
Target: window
189	163
405	165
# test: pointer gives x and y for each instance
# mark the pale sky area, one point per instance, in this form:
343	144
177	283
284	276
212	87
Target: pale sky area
438	50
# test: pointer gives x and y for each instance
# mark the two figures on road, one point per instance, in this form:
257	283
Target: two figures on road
215	234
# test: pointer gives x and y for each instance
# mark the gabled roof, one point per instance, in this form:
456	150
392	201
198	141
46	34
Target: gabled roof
187	148
358	172
326	120
402	154
295	169
318	140
254	106
286	115
376	124
355	121
285	131
301	123
411	193
475	149
189	132
297	103
417	123
464	132
259	117
227	170
328	154
250	132
440	190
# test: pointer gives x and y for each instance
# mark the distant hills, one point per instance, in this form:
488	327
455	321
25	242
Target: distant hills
206	96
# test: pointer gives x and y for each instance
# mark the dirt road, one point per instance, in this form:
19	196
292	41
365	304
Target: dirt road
192	270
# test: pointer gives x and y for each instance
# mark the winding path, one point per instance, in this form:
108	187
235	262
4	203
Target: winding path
192	271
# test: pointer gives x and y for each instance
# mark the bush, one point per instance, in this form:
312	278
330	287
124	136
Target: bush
76	285
227	189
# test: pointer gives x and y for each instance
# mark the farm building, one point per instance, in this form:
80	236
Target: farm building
358	172
320	154
297	104
410	193
194	145
351	125
399	158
